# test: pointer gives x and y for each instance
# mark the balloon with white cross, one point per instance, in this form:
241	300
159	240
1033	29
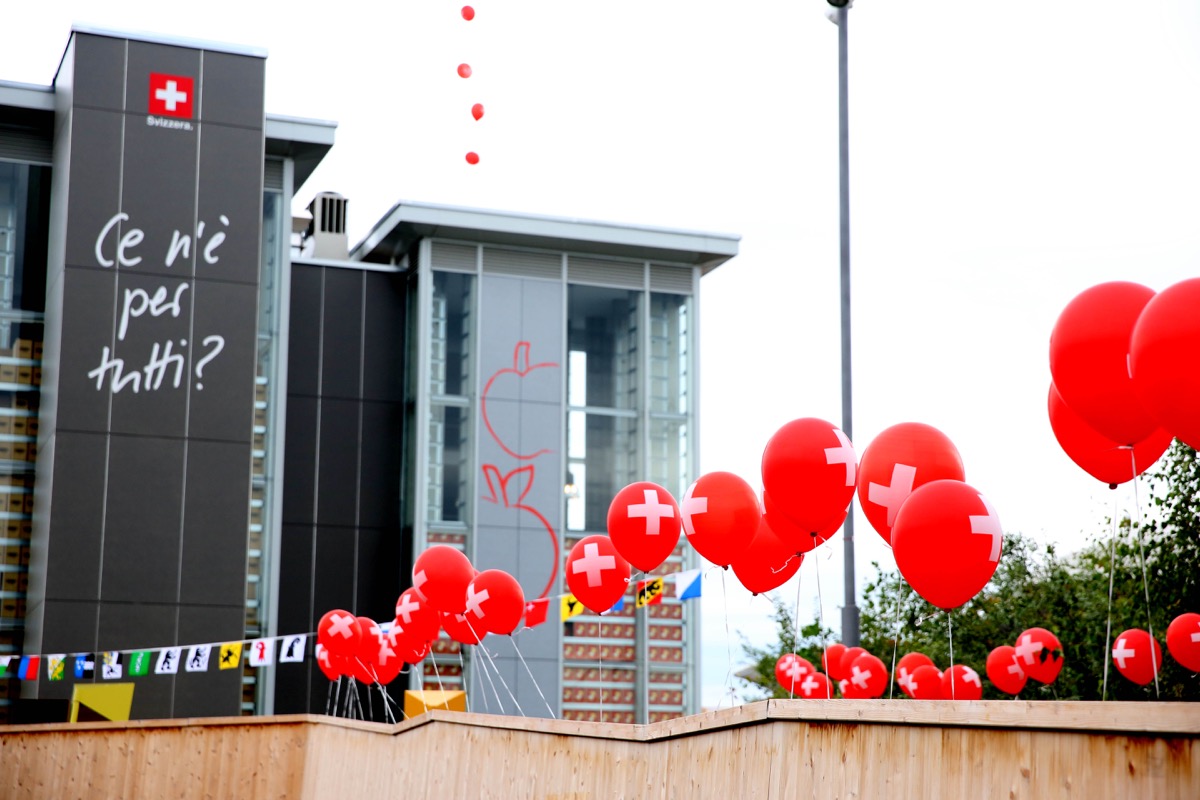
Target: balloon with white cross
905	668
1137	656
960	682
815	686
799	538
790	671
1183	640
767	563
440	576
720	516
947	541
1004	671
362	660
495	602
416	616
1040	654
866	678
900	459
810	469
330	666
925	683
644	524
340	633
459	630
596	573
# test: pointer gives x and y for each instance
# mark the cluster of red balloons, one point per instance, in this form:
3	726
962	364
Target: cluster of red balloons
1138	656
1122	387
1037	654
919	678
464	71
851	672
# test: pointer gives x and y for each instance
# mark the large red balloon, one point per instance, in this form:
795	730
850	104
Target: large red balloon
947	542
416	616
868	677
441	575
1102	458
1089	359
720	516
849	656
495	602
1004	672
644	524
810	470
1162	359
899	460
388	660
815	686
905	668
767	563
1183	640
831	660
960	682
790	670
363	660
340	632
596	573
1137	656
1040	654
801	540
927	683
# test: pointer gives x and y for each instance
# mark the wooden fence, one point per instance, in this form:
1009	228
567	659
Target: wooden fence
770	749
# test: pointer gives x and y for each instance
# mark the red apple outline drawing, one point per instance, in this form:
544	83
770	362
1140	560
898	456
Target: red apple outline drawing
498	485
521	367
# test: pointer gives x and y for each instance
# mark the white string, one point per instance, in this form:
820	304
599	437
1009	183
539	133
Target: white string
433	661
728	650
950	625
494	667
821	609
483	665
1112	567
795	637
1145	583
513	639
462	678
896	641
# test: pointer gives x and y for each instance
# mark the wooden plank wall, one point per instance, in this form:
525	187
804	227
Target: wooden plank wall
773	749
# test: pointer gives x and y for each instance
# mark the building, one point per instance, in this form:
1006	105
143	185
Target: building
206	437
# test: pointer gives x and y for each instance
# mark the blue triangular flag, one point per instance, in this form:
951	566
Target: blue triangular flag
688	584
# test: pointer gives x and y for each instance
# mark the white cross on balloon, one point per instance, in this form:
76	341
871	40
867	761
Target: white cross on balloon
860	677
890	497
593	564
844	454
475	600
810	685
989	525
971	676
692	505
419	580
1026	647
907	681
1121	653
795	669
652	511
405	608
339	625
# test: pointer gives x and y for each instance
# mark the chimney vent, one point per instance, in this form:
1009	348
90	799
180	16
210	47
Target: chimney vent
327	231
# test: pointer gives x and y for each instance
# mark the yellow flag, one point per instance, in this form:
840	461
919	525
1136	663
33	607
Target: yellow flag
231	655
571	607
649	592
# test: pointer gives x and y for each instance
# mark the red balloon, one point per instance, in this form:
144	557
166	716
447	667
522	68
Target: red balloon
1137	656
849	656
326	663
477	111
464	70
1040	654
767	563
441	575
495	602
1167	332
831	660
790	670
1183	640
1102	458
868	677
1089	359
960	682
644	525
472	158
815	686
848	690
340	632
416	616
459	630
720	516
368	649
468	13
947	542
388	659
926	683
905	668
1004	672
800	539
900	459
596	573
809	469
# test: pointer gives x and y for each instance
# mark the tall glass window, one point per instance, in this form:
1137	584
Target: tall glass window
447	492
667	390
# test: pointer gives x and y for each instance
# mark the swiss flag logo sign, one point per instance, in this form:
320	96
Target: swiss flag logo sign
170	95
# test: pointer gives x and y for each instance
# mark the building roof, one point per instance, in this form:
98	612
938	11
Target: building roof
409	221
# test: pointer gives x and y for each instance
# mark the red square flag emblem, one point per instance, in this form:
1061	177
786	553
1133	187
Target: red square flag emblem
170	95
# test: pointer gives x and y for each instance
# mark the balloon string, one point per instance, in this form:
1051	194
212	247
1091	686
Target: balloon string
821	625
600	661
795	637
1137	511
950	626
484	668
728	650
1112	568
488	656
462	678
436	672
513	639
337	695
329	697
896	640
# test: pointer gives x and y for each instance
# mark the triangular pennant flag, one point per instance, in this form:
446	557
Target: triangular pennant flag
85	666
649	593
168	661
197	658
292	648
139	663
56	667
4	662
28	668
688	584
231	655
262	652
111	668
536	612
571	607
617	606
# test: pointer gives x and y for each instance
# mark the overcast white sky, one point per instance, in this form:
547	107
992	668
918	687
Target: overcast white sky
1004	157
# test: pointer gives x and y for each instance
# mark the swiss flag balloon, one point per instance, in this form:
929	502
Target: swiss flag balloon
767	563
800	539
388	660
363	661
326	663
440	577
815	686
1098	456
926	683
790	670
831	660
1089	359
868	677
849	656
1137	656
596	573
458	629
900	459
644	525
947	542
906	667
720	516
1040	654
810	469
1183	640
1004	672
495	602
416	616
960	682
1168	327
340	632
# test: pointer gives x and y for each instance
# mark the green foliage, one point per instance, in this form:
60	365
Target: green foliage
760	676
